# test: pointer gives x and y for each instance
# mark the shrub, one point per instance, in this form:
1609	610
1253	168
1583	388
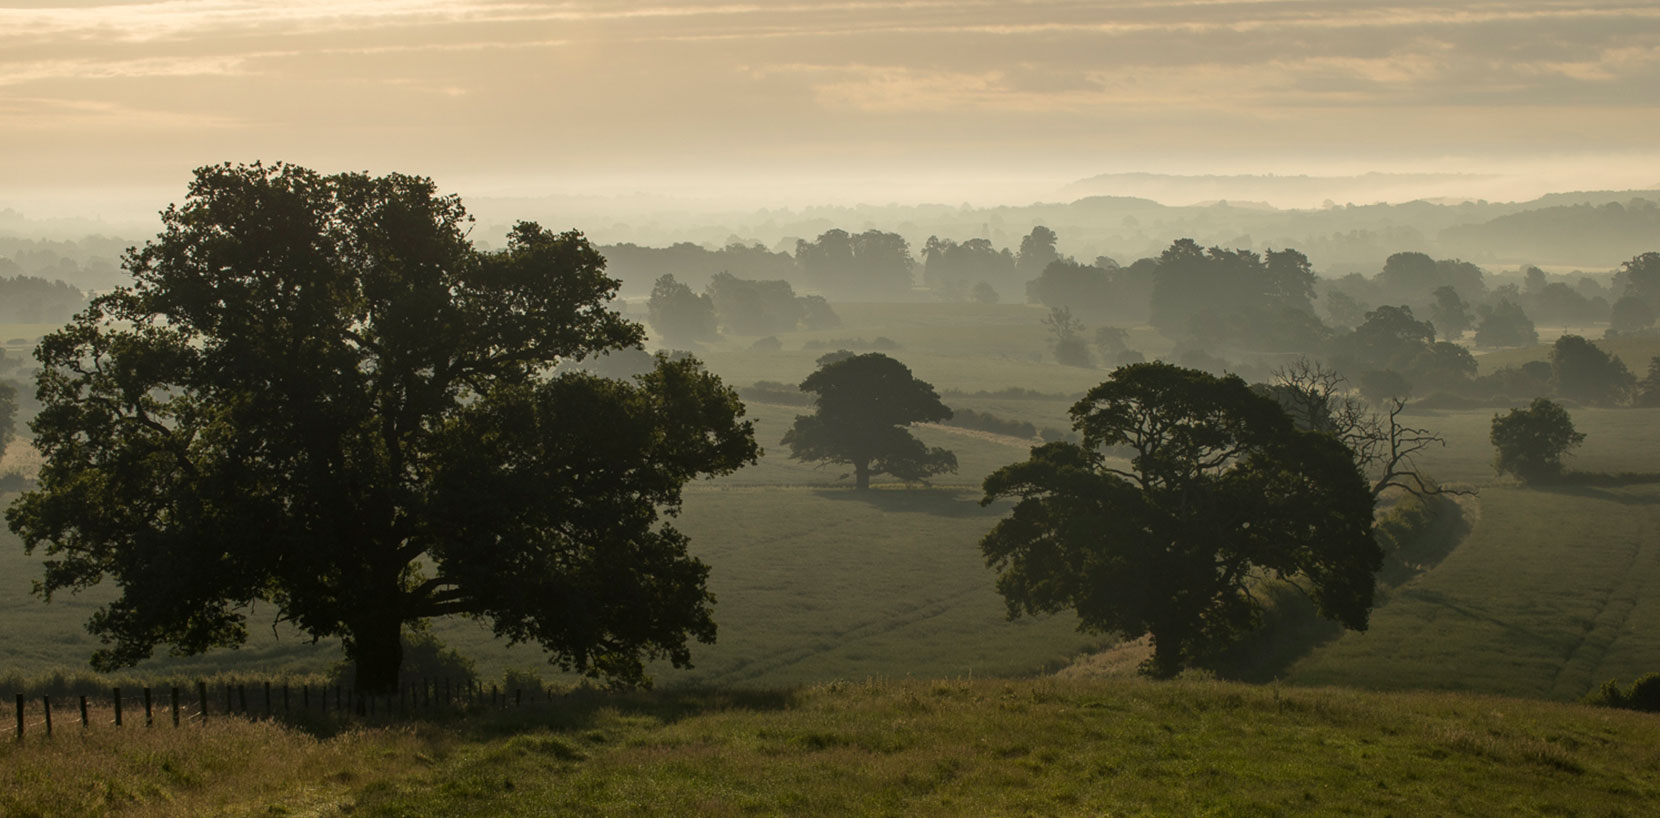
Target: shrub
1644	694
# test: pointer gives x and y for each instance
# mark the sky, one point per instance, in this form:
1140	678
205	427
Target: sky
105	107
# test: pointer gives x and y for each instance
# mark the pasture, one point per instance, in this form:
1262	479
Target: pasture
815	583
947	748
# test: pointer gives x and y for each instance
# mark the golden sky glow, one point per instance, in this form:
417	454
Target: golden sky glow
782	102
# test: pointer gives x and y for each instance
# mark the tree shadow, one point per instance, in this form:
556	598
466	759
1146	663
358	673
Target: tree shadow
1594	486
939	502
1292	627
568	711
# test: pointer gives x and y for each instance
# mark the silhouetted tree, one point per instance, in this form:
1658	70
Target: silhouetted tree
1384	448
1220	296
8	414
1066	338
1642	278
1221	490
1648	389
1037	252
1631	314
1451	314
1530	443
1389	338
746	307
1582	372
864	404
1505	325
872	265
679	315
318	395
950	269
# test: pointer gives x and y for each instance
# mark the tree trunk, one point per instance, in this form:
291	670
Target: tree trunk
1167	657
376	651
861	476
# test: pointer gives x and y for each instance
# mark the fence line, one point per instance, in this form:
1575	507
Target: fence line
412	700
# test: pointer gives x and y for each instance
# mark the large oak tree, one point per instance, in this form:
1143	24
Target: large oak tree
1220	492
864	402
319	395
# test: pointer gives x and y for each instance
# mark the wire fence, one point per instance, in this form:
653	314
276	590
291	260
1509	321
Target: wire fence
175	707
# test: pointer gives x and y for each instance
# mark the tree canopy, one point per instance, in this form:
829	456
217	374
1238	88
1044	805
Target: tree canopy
868	265
8	414
1236	296
318	395
679	315
864	402
1582	372
1530	443
1221	491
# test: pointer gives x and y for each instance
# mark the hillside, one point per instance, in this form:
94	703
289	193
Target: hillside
947	748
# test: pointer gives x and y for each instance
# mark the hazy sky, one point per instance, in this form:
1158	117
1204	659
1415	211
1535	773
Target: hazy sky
784	102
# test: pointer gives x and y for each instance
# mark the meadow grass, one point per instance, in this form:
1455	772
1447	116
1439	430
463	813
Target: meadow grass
941	747
1553	592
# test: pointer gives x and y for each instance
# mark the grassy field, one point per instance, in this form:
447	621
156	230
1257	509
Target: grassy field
1552	593
816	583
948	748
812	582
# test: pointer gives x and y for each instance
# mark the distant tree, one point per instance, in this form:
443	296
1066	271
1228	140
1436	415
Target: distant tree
950	269
1113	344
1218	296
36	300
864	404
817	314
746	307
1381	386
318	395
1631	314
983	293
1505	325
1221	490
679	315
1580	371
8	414
1648	389
1066	338
1642	278
1408	273
1409	276
1444	365
1343	310
1037	251
1530	443
693	265
872	265
1533	279
1451	314
1389	338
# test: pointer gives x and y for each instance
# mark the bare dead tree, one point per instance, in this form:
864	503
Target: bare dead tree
1385	448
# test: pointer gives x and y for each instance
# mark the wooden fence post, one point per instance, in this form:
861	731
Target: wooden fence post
20	717
268	699
173	694
201	693
46	703
285	698
242	696
117	693
85	722
149	714
229	709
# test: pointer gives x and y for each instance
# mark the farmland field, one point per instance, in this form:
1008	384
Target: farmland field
814	582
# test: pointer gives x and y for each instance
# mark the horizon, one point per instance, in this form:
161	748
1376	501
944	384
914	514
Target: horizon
110	105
